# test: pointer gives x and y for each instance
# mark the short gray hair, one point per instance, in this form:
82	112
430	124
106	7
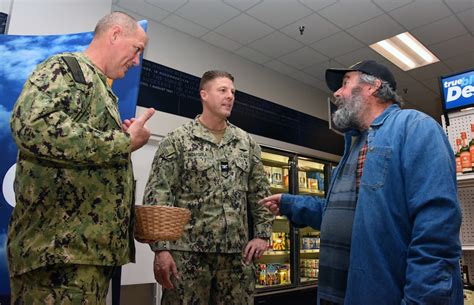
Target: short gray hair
385	92
127	22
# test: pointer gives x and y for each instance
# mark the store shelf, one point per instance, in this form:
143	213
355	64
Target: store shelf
308	279
281	218
278	189
465	180
271	252
306	191
310	251
272	286
468	247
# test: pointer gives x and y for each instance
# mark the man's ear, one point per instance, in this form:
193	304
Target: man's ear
115	32
373	88
203	94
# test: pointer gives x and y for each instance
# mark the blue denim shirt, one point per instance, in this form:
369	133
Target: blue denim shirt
405	246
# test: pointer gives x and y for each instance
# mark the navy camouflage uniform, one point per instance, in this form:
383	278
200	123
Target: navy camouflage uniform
73	184
218	183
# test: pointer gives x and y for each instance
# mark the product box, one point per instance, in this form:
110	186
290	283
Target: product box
302	180
277	176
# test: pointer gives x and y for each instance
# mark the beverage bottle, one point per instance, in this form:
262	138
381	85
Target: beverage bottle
466	161
457	155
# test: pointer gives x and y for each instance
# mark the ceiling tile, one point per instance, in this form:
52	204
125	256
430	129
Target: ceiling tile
432	84
242	4
252	55
440	30
279	13
453	47
460	63
244	29
376	29
305	78
204	12
459	5
141	8
303	57
347	13
317	5
221	41
280	67
184	25
362	54
315	28
419	95
319	70
276	45
420	12
428	71
467	18
337	44
169	5
388	5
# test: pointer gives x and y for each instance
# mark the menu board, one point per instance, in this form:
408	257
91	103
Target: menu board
176	92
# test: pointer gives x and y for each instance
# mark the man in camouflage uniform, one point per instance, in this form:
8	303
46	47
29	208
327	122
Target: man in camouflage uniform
213	168
74	182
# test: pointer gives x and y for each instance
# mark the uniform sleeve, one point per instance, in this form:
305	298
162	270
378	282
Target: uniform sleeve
259	188
303	211
43	123
163	180
431	191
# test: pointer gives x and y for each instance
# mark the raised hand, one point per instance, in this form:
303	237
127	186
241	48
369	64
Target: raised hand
137	130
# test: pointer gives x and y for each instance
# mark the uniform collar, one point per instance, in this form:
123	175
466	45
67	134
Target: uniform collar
202	132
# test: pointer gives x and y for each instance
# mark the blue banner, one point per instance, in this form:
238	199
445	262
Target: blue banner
20	55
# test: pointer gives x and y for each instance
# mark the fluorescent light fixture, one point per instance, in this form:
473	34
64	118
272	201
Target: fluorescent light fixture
397	53
405	51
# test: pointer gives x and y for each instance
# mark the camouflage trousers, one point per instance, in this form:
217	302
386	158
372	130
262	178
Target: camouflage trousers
62	285
209	278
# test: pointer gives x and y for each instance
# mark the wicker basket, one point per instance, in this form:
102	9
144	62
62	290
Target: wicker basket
154	223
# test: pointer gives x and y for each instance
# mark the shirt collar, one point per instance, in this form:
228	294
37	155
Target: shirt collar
385	114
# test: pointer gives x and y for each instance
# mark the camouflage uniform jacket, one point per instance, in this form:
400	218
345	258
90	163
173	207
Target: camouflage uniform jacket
215	182
74	179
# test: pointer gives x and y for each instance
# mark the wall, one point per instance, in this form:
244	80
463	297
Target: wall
183	52
56	17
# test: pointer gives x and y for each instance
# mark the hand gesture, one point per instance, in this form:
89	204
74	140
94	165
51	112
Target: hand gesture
162	265
137	130
255	249
272	203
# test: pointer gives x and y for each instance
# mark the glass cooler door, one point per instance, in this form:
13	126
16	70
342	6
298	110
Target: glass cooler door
310	182
274	268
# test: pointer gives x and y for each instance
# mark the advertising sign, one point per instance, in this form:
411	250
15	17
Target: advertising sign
457	91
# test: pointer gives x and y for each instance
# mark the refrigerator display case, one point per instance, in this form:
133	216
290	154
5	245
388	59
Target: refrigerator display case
291	263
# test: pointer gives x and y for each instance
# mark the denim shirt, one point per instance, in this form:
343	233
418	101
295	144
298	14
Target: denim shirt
405	246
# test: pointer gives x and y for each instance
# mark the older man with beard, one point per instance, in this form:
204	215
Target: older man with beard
391	219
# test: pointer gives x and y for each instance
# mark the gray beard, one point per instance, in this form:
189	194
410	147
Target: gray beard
349	115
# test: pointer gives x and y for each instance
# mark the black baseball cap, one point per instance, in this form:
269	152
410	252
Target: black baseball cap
334	76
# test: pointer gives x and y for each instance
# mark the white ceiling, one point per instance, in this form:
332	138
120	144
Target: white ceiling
337	34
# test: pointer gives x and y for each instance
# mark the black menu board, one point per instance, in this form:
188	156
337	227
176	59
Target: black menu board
176	92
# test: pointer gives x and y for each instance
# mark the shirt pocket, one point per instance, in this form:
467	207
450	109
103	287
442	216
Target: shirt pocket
199	174
241	174
376	167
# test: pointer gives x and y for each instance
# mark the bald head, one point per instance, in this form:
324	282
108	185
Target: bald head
125	21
